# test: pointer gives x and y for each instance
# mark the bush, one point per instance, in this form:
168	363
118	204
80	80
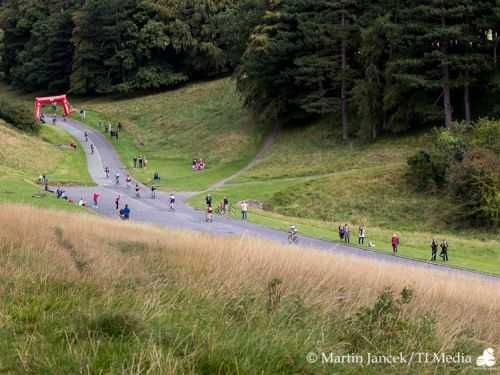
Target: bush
18	116
421	171
475	182
427	169
464	162
486	134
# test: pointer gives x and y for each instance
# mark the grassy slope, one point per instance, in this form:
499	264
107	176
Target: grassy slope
24	157
311	179
202	120
83	294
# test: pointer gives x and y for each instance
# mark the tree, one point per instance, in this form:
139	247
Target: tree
433	29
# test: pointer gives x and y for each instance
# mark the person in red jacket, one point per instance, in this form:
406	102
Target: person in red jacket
394	243
95	198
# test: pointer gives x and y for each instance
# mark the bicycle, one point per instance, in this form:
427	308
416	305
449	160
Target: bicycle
293	238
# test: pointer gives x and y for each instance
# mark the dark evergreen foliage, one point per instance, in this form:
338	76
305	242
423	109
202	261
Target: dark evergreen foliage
378	66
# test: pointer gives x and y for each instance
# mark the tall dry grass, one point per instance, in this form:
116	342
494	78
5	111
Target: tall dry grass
82	294
41	244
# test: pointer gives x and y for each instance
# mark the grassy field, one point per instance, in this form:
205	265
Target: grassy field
24	157
81	294
170	129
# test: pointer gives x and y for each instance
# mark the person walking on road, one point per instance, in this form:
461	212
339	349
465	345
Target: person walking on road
92	149
444	250
208	200
361	235
128	181
86	137
153	192
434	249
117	202
117	178
394	243
106	170
172	202
137	191
244	210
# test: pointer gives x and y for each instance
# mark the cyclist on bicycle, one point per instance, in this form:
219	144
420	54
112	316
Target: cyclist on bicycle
293	234
128	180
210	214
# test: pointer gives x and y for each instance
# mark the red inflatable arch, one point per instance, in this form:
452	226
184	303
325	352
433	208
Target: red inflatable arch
61	99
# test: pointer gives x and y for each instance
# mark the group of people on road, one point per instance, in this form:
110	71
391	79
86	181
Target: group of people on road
223	208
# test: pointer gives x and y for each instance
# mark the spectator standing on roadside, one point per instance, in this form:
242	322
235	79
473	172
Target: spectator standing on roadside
434	249
244	210
341	232
347	236
394	243
444	250
361	235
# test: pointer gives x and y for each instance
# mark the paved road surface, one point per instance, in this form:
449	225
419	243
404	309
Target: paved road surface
148	210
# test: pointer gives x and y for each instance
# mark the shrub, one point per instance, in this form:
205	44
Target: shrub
421	171
17	115
475	182
387	324
427	169
486	134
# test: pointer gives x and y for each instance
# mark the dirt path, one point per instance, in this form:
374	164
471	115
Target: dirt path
265	147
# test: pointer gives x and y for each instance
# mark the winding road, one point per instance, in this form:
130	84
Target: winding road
155	211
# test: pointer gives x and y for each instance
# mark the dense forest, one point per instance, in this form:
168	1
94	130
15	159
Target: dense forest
385	65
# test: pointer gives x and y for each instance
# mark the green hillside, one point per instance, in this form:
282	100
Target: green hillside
24	157
170	129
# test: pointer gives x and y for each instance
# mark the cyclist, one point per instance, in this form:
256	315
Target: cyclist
128	180
86	137
106	170
137	191
210	214
293	234
117	178
172	202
